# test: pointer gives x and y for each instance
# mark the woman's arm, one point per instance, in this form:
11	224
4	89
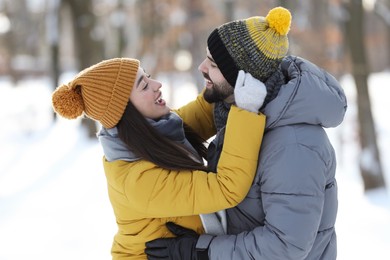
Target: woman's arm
198	114
158	192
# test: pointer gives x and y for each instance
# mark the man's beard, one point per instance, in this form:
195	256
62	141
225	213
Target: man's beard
218	92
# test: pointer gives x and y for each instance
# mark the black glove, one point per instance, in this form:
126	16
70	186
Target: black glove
181	247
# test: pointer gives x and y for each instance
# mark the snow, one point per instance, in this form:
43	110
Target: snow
53	196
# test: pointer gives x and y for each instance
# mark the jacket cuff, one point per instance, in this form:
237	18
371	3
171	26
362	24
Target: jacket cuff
204	242
202	246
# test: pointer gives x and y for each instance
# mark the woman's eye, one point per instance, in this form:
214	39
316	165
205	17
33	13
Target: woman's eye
145	86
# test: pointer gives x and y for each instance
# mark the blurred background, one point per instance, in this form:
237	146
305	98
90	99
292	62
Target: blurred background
53	200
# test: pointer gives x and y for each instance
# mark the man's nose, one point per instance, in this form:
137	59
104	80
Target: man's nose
201	67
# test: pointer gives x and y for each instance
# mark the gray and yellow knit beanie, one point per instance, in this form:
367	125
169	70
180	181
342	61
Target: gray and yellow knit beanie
101	92
256	45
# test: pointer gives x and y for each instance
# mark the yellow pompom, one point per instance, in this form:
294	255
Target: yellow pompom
68	102
279	18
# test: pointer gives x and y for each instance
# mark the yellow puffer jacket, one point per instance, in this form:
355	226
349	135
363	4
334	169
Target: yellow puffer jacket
144	196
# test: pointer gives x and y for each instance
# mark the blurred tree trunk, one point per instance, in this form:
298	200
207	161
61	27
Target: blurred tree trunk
52	32
284	3
121	30
9	42
320	21
20	19
88	50
229	10
150	29
197	46
370	165
382	9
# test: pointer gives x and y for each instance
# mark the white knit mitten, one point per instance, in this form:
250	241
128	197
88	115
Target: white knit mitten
249	93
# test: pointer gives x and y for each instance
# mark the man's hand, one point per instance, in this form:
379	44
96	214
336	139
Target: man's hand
181	247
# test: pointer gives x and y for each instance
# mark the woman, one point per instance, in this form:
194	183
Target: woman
153	163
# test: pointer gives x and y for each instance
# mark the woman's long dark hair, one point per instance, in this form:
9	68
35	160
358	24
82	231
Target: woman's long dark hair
145	141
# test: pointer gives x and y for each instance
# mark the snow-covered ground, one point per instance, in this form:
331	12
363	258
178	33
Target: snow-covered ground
53	197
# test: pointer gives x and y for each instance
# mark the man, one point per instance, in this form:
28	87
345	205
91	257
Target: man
290	210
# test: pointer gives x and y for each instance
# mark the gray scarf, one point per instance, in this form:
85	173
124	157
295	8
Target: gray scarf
170	126
273	84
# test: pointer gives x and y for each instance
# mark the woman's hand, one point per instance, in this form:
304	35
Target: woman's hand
249	92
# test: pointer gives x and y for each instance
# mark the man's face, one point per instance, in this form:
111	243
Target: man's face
217	87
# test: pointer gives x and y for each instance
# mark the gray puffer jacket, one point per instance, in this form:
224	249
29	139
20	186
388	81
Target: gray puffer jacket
290	211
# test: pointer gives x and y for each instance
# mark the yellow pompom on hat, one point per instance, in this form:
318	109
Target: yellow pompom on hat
256	44
101	92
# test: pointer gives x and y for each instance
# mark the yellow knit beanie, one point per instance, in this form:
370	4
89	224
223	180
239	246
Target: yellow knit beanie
256	44
101	91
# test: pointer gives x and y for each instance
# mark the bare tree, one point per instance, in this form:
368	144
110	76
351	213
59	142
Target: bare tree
382	9
370	164
88	50
52	35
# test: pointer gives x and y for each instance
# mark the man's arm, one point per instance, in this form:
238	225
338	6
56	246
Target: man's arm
292	194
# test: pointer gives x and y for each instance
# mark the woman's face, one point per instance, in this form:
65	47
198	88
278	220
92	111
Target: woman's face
146	96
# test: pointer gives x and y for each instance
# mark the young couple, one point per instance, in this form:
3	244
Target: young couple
277	204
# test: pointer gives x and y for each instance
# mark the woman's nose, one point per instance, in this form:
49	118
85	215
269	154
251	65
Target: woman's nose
156	86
